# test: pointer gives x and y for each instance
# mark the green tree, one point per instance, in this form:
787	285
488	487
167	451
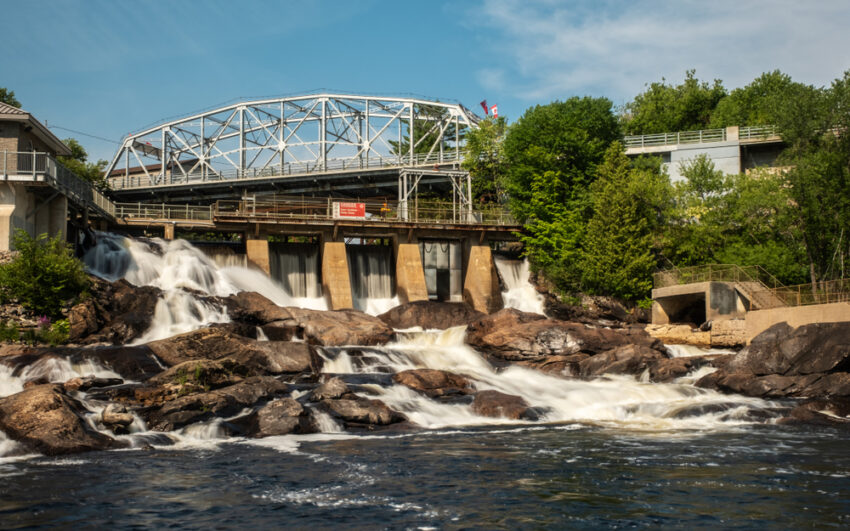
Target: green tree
78	163
813	122
756	104
551	155
44	274
485	160
8	97
426	132
629	205
663	108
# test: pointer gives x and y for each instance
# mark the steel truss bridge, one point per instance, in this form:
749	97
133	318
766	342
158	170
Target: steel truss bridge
317	145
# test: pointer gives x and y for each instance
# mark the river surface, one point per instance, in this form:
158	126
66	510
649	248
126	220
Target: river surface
559	476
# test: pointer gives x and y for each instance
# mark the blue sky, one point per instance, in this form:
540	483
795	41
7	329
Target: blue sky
111	67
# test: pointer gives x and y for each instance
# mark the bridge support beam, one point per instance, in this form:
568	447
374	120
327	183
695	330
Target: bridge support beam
168	231
257	253
481	284
336	282
409	274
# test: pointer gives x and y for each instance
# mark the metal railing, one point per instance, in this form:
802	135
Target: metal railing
681	137
312	209
43	167
715	273
826	292
756	132
175	176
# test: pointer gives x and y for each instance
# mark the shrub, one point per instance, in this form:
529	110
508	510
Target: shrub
43	275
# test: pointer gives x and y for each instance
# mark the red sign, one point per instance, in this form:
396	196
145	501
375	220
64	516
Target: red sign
349	210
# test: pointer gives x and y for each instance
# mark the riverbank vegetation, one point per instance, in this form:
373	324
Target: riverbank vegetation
599	222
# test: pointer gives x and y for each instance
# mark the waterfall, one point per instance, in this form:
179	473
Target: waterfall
372	275
296	267
519	293
613	400
182	270
225	256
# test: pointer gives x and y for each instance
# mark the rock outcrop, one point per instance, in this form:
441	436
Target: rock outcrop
430	315
434	383
492	403
516	336
45	419
325	328
812	361
117	312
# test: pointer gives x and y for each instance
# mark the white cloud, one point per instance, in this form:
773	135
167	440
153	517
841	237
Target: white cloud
544	49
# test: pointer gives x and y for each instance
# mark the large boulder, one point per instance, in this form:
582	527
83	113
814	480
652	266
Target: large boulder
325	328
47	420
625	359
331	389
516	336
493	403
257	357
117	312
808	349
360	411
279	417
566	366
222	402
824	412
131	362
434	383
431	315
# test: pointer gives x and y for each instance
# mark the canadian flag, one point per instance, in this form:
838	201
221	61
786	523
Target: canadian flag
495	110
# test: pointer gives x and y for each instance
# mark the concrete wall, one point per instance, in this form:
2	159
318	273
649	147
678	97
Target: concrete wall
257	252
410	276
726	157
720	299
336	282
481	284
760	320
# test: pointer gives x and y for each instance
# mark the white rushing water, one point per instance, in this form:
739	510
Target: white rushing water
181	270
519	293
615	400
685	351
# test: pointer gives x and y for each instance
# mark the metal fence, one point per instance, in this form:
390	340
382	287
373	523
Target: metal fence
715	273
43	167
758	132
822	293
313	209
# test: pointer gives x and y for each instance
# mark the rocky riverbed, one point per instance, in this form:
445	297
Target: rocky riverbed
275	370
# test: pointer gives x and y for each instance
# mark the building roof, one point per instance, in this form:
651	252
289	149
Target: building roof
5	108
9	113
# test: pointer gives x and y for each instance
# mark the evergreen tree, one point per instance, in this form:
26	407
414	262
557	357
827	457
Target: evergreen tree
628	207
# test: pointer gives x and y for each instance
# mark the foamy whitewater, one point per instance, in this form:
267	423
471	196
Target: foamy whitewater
613	401
175	267
519	292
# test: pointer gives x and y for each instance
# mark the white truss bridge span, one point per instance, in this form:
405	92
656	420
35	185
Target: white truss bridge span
269	142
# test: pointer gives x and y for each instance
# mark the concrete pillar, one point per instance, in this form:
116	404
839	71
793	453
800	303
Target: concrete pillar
732	132
336	282
481	284
409	274
257	253
57	211
168	231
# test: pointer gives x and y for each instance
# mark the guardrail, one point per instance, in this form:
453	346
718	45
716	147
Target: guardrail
825	292
45	168
312	209
715	273
175	175
756	132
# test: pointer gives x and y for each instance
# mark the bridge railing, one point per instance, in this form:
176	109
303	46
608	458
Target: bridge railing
758	132
313	209
680	137
43	167
174	175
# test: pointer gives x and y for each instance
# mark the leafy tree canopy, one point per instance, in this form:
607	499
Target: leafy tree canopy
79	164
485	159
8	97
756	104
663	108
